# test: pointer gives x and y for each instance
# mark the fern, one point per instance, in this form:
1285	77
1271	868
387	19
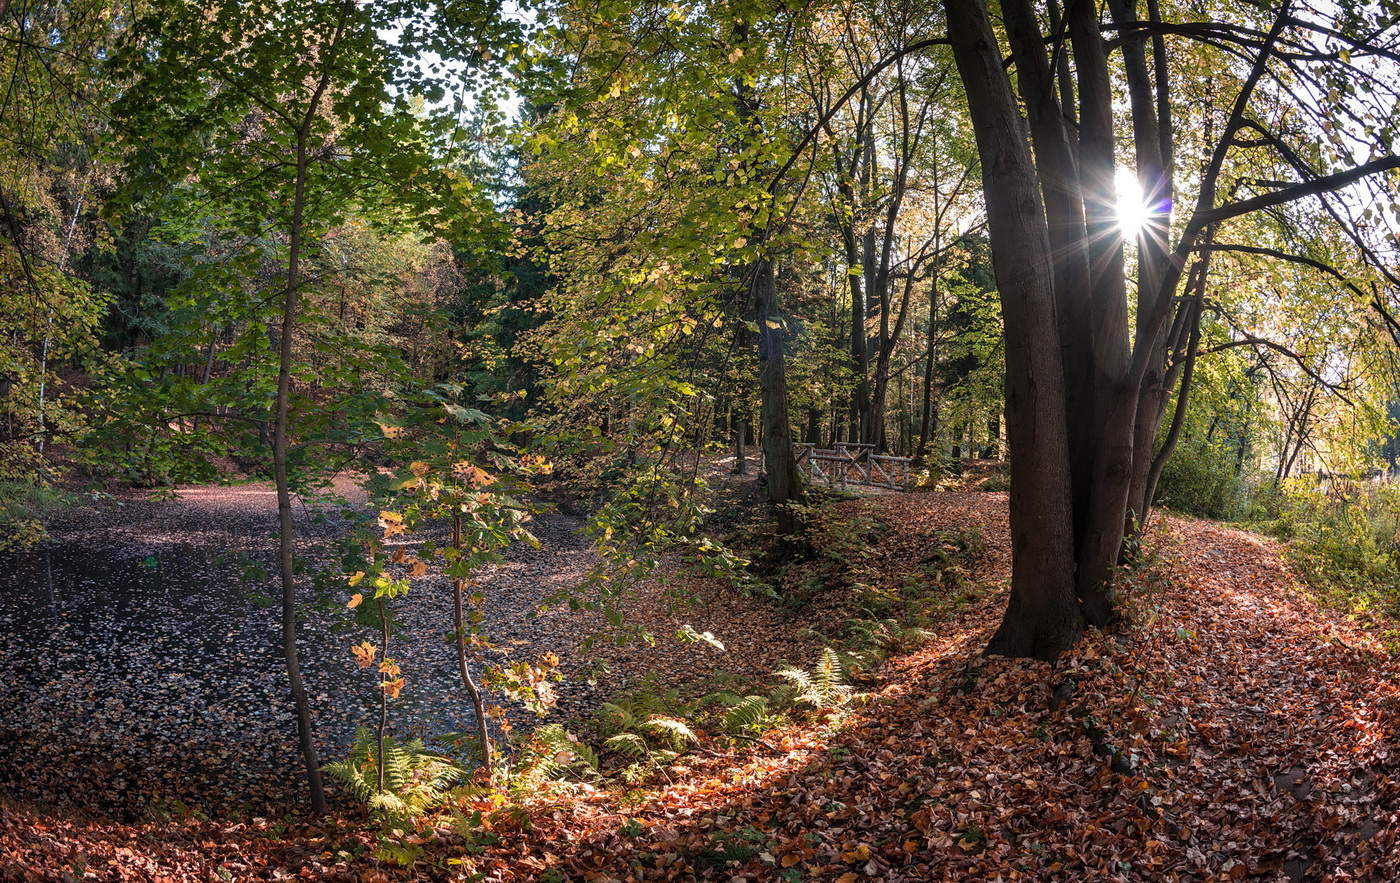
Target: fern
823	687
617	716
398	854
628	745
557	752
746	713
676	732
415	780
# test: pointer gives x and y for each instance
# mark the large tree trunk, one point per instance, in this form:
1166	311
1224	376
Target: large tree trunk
775	430
779	463
1042	618
1058	256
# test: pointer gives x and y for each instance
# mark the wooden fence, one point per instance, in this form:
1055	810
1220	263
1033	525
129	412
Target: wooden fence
852	463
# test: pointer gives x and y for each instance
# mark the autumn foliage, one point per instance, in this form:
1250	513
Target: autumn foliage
1230	729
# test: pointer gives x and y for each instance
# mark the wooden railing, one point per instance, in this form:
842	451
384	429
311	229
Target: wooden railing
853	463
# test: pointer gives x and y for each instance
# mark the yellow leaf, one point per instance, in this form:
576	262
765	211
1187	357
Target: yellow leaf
356	577
355	600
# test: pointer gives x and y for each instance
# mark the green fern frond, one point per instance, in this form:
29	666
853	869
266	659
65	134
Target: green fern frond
620	717
415	780
745	713
562	751
721	697
677	731
393	853
627	744
824	687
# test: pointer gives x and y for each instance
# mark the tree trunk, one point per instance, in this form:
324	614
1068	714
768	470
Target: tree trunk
740	428
775	429
1178	418
286	533
779	463
860	359
483	731
1042	619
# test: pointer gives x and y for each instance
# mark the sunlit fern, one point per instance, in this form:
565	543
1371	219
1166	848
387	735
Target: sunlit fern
557	753
741	712
415	780
823	687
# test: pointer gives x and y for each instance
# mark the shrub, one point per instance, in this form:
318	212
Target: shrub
1200	479
24	508
1345	538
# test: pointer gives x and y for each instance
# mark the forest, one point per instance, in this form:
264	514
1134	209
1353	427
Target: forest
621	440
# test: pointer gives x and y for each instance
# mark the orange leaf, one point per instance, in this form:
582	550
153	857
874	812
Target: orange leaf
392	687
364	653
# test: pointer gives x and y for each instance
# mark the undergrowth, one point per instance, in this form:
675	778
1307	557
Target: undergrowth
1344	539
894	595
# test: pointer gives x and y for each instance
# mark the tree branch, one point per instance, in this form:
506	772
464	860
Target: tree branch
1320	185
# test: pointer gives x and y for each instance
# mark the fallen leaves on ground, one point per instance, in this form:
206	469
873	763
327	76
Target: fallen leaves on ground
1232	730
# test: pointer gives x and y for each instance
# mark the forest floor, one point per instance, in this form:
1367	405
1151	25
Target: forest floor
143	670
1231	729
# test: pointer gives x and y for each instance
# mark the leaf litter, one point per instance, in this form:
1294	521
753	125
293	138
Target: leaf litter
1231	729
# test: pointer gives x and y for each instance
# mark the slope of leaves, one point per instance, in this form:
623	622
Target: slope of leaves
1230	730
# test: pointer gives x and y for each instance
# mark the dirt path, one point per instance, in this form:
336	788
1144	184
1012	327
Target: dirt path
1233	730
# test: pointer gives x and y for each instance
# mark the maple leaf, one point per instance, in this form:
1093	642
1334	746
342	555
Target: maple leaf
355	600
355	579
471	475
364	653
391	522
392	688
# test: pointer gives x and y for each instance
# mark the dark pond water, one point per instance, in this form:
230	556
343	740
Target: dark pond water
139	661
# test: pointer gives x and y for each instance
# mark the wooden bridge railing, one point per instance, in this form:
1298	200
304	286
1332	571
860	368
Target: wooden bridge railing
854	463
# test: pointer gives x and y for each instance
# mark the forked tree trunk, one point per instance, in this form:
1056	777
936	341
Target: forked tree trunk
1042	618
